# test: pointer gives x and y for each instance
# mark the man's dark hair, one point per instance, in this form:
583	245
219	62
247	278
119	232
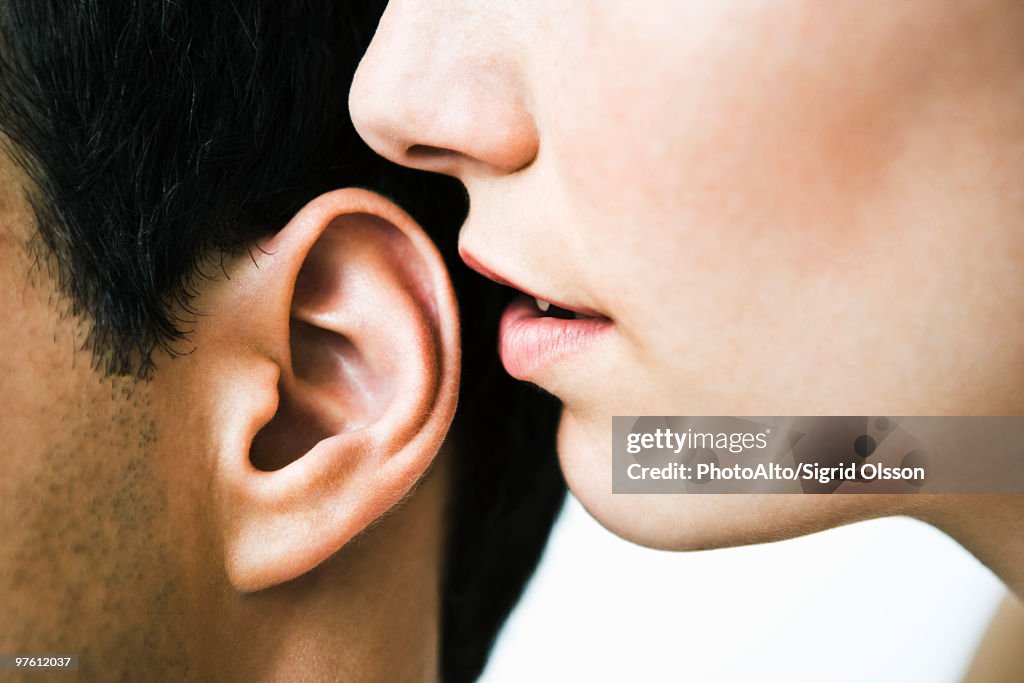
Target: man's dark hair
156	134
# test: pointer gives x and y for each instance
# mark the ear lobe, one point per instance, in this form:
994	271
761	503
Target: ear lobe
352	303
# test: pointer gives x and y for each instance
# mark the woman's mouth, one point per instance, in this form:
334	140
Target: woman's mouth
534	334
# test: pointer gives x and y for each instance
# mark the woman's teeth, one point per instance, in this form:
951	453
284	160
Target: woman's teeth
548	309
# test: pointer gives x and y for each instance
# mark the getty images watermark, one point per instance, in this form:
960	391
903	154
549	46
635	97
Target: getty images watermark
856	454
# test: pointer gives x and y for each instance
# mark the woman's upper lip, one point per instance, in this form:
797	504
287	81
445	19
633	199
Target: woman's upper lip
475	263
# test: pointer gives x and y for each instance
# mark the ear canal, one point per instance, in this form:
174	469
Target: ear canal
359	275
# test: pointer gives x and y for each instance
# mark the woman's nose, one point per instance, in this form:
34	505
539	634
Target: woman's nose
437	91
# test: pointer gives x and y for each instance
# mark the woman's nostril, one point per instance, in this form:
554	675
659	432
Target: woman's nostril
429	152
454	161
437	158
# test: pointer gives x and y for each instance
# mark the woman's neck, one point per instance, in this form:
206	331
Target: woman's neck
991	526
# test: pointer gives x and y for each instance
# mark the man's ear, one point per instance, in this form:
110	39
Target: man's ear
341	342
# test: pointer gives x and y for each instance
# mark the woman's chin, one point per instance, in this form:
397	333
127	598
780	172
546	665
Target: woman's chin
668	521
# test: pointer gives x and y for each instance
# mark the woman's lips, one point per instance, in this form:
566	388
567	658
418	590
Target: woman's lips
529	341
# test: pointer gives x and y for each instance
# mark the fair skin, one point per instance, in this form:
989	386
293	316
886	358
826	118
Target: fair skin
760	208
226	520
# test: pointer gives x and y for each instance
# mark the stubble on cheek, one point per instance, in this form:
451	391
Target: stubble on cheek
86	561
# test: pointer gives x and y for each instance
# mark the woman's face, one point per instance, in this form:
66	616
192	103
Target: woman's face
763	207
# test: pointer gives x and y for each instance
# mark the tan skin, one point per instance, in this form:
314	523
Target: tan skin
795	208
137	533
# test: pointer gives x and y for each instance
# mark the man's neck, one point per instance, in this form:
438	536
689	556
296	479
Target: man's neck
370	613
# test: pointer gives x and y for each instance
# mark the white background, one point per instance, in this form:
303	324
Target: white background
887	600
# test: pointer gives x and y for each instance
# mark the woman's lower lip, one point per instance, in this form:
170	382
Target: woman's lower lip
529	341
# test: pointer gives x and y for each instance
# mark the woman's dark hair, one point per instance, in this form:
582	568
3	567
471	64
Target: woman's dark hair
156	133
